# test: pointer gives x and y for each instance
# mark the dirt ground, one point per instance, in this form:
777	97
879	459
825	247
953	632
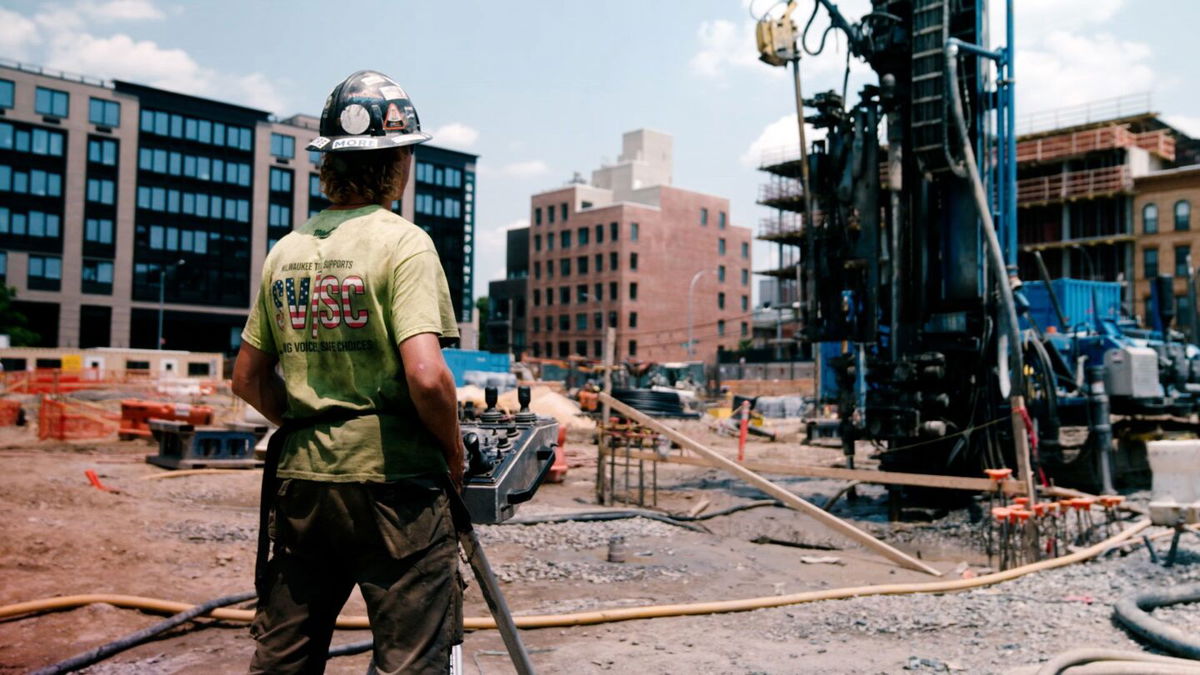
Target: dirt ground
192	539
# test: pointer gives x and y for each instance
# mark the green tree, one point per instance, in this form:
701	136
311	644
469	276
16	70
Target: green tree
13	323
481	311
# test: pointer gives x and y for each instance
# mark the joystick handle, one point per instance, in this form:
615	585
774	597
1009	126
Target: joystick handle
523	398
490	396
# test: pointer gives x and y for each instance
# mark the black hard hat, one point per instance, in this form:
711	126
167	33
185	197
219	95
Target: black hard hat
368	111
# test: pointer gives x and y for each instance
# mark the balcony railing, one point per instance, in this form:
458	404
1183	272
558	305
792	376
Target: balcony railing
1086	113
781	191
1074	185
1060	146
787	225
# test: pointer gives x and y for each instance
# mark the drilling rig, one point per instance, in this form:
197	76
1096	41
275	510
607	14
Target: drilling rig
908	260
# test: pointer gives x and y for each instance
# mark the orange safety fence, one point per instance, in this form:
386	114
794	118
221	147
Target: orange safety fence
10	412
74	420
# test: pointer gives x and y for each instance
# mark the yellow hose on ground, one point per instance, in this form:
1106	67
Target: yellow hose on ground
194	472
623	614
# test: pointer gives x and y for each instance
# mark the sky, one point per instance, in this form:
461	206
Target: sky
543	89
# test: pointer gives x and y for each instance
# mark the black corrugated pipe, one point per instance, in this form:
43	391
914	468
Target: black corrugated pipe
1133	613
134	639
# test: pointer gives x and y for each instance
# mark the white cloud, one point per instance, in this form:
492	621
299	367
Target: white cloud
725	45
17	34
526	169
782	135
455	135
1067	69
121	10
1035	20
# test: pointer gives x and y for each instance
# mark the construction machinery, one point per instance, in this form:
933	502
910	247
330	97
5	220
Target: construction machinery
908	260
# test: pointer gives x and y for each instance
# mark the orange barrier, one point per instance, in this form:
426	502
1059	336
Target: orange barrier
74	420
136	415
10	412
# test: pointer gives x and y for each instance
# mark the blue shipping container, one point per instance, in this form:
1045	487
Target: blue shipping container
1082	302
462	360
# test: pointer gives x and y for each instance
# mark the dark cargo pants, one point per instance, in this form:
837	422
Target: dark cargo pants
396	541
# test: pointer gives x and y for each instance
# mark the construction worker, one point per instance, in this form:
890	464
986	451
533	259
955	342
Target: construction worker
353	309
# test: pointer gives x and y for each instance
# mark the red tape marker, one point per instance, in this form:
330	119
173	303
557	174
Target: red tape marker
95	481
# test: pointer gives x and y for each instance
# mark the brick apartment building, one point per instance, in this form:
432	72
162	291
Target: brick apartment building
1168	235
111	192
622	251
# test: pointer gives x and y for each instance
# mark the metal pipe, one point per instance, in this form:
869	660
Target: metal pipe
808	296
1100	424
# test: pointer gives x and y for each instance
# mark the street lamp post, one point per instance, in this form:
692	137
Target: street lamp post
162	285
691	345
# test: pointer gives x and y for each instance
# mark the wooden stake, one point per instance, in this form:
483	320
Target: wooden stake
719	461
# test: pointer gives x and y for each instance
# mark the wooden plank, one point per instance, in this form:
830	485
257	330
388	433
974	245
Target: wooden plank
721	462
1010	487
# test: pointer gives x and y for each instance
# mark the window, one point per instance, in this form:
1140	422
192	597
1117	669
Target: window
612	261
721	246
703	216
105	113
745	329
564	322
537	270
564	267
6	93
599	234
314	157
50	102
633	231
550	215
599	262
96	273
45	272
282	146
1150	218
633	319
598	292
581	322
721	273
721	220
745	277
1183	215
612	290
581	264
1150	263
745	303
612	319
598	322
537	324
537	242
281	180
1183	255
564	295
537	216
550	242
633	290
633	347
36	224
102	151
614	231
581	347
582	236
314	186
3	265
746	250
581	294
565	239
563	211
633	261
720	301
101	191
564	349
721	328
279	215
98	230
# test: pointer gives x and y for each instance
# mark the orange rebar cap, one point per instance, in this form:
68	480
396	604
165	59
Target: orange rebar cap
1021	514
1021	501
998	474
1110	501
1001	513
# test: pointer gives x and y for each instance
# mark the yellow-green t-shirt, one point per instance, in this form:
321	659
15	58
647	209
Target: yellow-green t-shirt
338	296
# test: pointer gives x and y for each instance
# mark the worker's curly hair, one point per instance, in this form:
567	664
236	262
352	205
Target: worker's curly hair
367	176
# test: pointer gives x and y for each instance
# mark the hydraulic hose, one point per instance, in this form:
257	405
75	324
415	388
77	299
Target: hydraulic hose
1122	662
624	613
1133	613
134	639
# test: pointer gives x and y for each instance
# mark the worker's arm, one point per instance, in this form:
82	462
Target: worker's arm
256	383
435	397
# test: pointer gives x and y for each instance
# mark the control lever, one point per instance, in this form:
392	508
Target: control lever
491	415
524	415
477	463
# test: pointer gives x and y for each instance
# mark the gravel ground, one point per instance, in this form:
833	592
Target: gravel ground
574	536
1040	614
